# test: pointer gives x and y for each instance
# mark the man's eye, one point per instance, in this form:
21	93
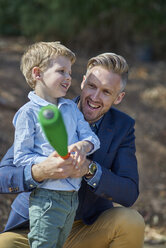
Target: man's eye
106	92
91	86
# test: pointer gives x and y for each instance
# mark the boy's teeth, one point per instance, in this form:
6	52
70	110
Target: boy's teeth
64	85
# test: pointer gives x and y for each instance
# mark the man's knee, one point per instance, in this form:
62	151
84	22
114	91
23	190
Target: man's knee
124	227
7	240
125	218
14	240
129	221
131	218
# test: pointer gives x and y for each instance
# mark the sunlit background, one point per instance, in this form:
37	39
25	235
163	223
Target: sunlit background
135	29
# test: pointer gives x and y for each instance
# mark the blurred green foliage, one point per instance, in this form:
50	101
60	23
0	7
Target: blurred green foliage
97	21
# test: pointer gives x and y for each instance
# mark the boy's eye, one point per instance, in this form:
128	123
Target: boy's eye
61	71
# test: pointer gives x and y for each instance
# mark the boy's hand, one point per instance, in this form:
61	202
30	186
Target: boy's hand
81	171
53	167
78	152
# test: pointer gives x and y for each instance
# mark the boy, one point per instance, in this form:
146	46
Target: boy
47	69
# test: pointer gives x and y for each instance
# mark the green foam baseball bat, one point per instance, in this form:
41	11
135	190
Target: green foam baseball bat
53	126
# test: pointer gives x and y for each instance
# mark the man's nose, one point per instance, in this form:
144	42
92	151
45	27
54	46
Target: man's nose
95	95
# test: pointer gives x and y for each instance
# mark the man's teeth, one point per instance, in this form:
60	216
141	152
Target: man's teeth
93	106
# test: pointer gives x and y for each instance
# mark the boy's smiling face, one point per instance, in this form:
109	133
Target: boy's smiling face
55	81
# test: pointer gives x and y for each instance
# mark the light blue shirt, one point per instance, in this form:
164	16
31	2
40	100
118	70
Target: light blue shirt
31	145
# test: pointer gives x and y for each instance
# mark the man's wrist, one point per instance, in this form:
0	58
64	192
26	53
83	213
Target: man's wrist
94	180
92	170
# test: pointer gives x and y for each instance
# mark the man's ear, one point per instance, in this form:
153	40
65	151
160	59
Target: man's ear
36	73
119	98
83	82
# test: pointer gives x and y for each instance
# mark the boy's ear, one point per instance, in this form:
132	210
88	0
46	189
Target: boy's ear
36	73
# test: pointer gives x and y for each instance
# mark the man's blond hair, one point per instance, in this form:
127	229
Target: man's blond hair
111	62
40	55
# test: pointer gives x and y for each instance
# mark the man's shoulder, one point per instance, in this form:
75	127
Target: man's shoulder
76	99
118	115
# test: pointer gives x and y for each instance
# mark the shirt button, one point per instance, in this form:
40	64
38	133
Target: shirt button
31	185
94	184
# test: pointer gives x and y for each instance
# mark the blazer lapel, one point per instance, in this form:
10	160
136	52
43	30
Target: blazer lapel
105	135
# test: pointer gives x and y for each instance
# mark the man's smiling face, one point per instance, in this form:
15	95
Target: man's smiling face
100	89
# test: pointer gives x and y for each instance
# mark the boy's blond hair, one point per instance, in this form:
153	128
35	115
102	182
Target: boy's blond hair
111	62
40	55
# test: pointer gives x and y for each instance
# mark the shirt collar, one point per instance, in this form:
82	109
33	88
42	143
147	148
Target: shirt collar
97	123
41	102
76	99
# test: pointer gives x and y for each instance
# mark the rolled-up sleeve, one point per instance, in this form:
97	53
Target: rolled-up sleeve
85	133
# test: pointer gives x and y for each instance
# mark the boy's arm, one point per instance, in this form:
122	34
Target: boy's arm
24	153
85	133
18	179
88	146
20	155
84	146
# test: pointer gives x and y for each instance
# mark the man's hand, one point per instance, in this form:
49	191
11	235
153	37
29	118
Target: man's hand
82	170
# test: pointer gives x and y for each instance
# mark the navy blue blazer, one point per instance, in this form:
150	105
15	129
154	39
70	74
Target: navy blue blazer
118	183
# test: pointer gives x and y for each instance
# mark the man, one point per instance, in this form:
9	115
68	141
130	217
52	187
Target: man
112	175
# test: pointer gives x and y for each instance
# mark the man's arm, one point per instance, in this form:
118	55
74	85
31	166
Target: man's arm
16	180
119	181
11	180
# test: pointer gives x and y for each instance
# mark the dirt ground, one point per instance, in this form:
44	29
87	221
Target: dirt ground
145	101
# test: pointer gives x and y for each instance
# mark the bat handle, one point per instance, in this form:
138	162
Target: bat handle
66	156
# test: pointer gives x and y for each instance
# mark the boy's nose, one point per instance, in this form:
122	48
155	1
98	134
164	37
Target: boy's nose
68	76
